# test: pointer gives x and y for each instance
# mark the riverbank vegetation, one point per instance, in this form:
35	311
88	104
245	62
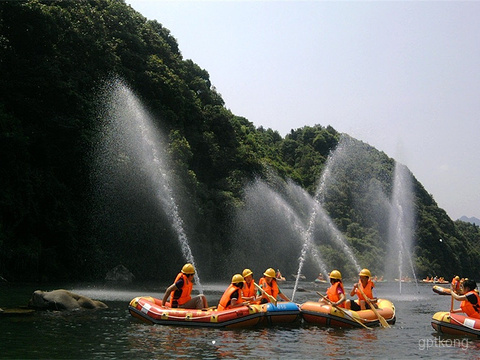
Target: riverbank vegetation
54	57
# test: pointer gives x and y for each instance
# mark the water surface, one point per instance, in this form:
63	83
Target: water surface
114	333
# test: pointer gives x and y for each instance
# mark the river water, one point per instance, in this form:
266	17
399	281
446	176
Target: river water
114	334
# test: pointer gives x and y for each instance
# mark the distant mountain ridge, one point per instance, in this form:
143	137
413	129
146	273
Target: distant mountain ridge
472	220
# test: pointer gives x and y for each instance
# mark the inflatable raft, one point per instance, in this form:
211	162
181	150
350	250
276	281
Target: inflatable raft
324	314
455	324
440	290
282	313
150	310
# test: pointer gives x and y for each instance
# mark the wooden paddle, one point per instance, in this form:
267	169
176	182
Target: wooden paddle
270	297
382	320
452	301
343	311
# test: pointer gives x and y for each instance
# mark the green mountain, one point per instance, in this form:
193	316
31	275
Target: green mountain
56	59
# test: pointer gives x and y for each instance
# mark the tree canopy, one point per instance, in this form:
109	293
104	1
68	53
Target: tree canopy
55	58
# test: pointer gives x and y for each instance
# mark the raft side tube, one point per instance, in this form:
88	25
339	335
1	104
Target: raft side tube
148	310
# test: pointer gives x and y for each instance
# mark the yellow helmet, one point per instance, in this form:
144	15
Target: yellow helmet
365	272
247	272
457	277
269	272
335	274
188	269
237	278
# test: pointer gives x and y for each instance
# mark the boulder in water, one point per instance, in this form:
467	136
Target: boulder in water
119	273
62	300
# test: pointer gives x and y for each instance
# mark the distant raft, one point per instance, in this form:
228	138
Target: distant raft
150	310
326	315
456	324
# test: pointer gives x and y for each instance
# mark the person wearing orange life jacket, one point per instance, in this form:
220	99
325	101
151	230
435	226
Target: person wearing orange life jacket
181	290
470	301
232	297
269	284
249	290
368	288
456	284
336	292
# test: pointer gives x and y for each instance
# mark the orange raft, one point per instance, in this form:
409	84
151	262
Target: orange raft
150	310
324	314
455	324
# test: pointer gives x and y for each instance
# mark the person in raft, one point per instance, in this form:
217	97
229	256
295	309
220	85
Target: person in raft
232	297
456	284
368	288
470	301
181	290
249	290
336	292
269	284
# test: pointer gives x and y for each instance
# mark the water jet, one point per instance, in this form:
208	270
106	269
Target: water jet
130	137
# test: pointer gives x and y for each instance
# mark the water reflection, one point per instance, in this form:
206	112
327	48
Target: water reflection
114	334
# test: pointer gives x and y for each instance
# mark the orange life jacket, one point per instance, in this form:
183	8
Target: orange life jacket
332	293
186	290
368	290
272	290
456	284
225	301
470	309
249	290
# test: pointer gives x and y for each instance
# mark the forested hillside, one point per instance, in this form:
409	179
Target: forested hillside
55	58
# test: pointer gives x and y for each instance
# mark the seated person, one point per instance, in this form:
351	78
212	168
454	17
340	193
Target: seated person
470	301
368	288
269	284
336	292
232	297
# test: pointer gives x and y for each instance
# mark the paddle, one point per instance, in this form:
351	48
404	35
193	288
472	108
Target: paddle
452	301
382	320
343	311
270	297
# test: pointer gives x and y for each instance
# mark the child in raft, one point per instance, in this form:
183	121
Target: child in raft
336	292
470	301
368	288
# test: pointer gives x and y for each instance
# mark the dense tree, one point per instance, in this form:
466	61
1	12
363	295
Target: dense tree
56	56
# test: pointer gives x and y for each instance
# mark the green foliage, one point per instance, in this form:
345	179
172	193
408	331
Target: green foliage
54	55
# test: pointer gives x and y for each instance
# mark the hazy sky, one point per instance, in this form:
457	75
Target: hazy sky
402	76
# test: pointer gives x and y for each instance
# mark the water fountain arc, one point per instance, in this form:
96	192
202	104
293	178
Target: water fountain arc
129	132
